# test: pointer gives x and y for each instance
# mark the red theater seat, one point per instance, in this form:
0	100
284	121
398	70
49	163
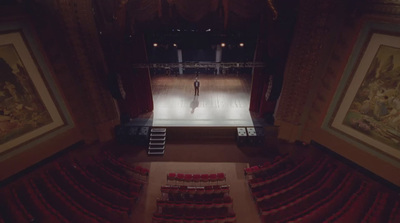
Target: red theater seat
204	178
171	176
180	177
212	177
188	178
196	177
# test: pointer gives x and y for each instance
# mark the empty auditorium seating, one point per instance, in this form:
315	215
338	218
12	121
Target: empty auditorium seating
267	165
395	213
12	209
105	189
193	203
195	178
317	189
137	169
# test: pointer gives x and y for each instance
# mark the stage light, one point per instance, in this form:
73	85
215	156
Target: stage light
174	44
155	44
223	44
241	44
208	30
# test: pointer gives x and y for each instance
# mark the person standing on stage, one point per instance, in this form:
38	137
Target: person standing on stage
196	87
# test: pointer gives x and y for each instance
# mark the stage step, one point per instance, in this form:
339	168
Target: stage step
158	137
158	134
156	148
159	130
157	143
156	152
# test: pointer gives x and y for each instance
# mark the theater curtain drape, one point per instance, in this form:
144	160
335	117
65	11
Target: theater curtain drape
136	82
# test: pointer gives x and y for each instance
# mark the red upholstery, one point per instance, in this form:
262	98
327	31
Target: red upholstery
171	176
204	178
221	177
180	177
212	177
188	177
196	177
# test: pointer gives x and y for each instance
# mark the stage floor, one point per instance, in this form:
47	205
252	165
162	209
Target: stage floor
222	101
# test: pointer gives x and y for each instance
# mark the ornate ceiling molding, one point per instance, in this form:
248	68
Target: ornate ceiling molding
382	7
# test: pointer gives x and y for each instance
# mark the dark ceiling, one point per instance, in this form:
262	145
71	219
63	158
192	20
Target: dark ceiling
233	23
215	27
193	25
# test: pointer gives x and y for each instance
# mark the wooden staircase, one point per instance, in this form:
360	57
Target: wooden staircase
158	137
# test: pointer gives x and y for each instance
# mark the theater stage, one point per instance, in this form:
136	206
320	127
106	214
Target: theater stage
223	102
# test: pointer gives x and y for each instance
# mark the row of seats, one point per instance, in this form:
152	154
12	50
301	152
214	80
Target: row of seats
334	200
300	201
101	189
193	197
68	191
377	208
293	185
318	189
194	193
225	201
137	169
190	178
90	200
122	183
355	206
289	170
56	195
395	213
188	203
14	207
285	177
183	189
123	177
210	217
113	186
266	165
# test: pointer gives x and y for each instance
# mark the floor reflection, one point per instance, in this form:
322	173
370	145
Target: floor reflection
194	104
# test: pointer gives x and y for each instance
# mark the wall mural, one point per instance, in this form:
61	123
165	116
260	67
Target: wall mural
375	110
21	108
29	103
365	110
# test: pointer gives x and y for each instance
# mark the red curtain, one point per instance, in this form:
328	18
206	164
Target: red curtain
256	89
267	105
136	82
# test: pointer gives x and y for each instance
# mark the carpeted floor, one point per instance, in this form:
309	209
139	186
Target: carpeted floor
216	152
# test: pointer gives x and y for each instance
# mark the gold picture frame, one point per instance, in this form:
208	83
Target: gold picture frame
365	110
32	109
